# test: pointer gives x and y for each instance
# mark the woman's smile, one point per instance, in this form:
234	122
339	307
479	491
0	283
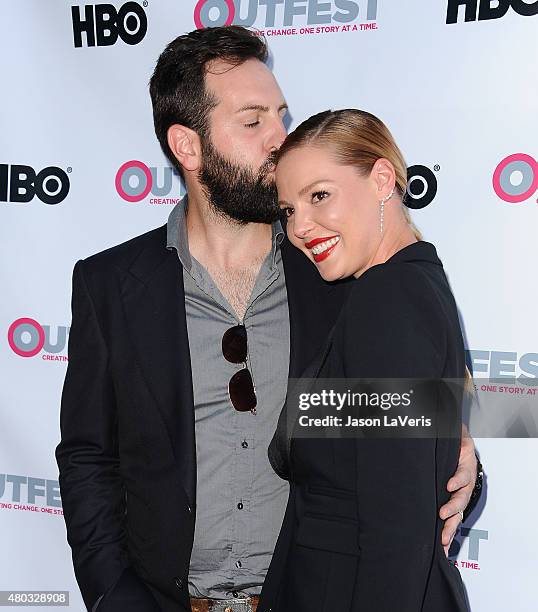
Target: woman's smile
322	247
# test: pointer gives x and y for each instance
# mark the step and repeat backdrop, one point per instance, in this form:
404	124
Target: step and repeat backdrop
81	170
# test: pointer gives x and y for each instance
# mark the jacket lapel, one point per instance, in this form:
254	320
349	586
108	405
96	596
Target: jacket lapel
154	302
306	295
313	306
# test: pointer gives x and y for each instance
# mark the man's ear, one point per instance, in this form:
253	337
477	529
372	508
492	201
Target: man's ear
185	145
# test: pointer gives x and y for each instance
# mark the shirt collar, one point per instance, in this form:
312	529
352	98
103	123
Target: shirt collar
176	234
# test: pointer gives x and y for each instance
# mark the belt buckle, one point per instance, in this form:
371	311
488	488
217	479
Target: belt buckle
237	604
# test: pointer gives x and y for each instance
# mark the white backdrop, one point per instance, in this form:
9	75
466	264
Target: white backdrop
459	97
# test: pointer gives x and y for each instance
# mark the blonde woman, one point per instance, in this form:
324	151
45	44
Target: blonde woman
361	531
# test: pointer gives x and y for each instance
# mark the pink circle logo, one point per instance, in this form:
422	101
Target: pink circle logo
33	331
202	21
144	180
521	167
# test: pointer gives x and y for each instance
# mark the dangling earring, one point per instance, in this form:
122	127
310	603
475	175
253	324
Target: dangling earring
382	210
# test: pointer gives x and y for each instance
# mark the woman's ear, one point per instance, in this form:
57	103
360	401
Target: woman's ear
384	176
185	146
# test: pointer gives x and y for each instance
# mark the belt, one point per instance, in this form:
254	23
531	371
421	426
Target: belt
238	604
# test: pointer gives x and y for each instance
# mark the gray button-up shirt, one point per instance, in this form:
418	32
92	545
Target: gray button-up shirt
240	501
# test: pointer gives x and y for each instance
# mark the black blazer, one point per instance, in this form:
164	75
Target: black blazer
361	530
127	457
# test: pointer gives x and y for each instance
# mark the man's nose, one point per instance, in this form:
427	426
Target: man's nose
277	137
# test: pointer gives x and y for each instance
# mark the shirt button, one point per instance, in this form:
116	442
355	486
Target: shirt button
240	506
238	564
179	583
189	509
244	444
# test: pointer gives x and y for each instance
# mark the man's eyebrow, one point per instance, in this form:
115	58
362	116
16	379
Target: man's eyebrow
260	107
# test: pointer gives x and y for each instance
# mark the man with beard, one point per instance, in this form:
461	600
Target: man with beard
181	344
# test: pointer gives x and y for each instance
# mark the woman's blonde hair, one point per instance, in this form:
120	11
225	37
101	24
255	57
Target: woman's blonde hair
355	138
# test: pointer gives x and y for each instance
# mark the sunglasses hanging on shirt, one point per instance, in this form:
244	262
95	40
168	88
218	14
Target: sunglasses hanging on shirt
241	387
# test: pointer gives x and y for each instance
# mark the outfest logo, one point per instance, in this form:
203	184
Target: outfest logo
27	338
288	17
471	540
508	366
135	181
515	179
30	494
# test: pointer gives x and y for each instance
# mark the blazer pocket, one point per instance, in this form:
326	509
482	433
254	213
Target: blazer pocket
331	492
331	534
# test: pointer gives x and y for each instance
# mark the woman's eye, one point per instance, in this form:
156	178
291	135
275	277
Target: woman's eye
317	196
286	211
251	125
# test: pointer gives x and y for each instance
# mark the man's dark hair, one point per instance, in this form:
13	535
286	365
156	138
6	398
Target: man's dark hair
177	86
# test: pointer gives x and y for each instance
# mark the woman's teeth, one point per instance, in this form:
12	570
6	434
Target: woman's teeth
323	246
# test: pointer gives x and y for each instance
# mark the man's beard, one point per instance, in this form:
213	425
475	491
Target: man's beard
235	191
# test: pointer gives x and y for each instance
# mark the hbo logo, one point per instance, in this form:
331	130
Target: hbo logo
421	187
489	9
21	184
102	24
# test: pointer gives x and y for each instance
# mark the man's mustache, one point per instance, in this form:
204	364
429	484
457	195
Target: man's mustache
268	165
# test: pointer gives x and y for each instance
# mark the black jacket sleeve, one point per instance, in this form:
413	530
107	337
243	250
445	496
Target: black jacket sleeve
90	484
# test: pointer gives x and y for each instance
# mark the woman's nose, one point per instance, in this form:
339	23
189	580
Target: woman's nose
302	225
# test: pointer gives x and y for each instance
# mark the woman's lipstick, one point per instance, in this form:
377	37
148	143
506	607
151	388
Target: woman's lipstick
322	247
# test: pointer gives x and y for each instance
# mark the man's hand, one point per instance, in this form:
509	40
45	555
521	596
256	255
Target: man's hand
461	486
